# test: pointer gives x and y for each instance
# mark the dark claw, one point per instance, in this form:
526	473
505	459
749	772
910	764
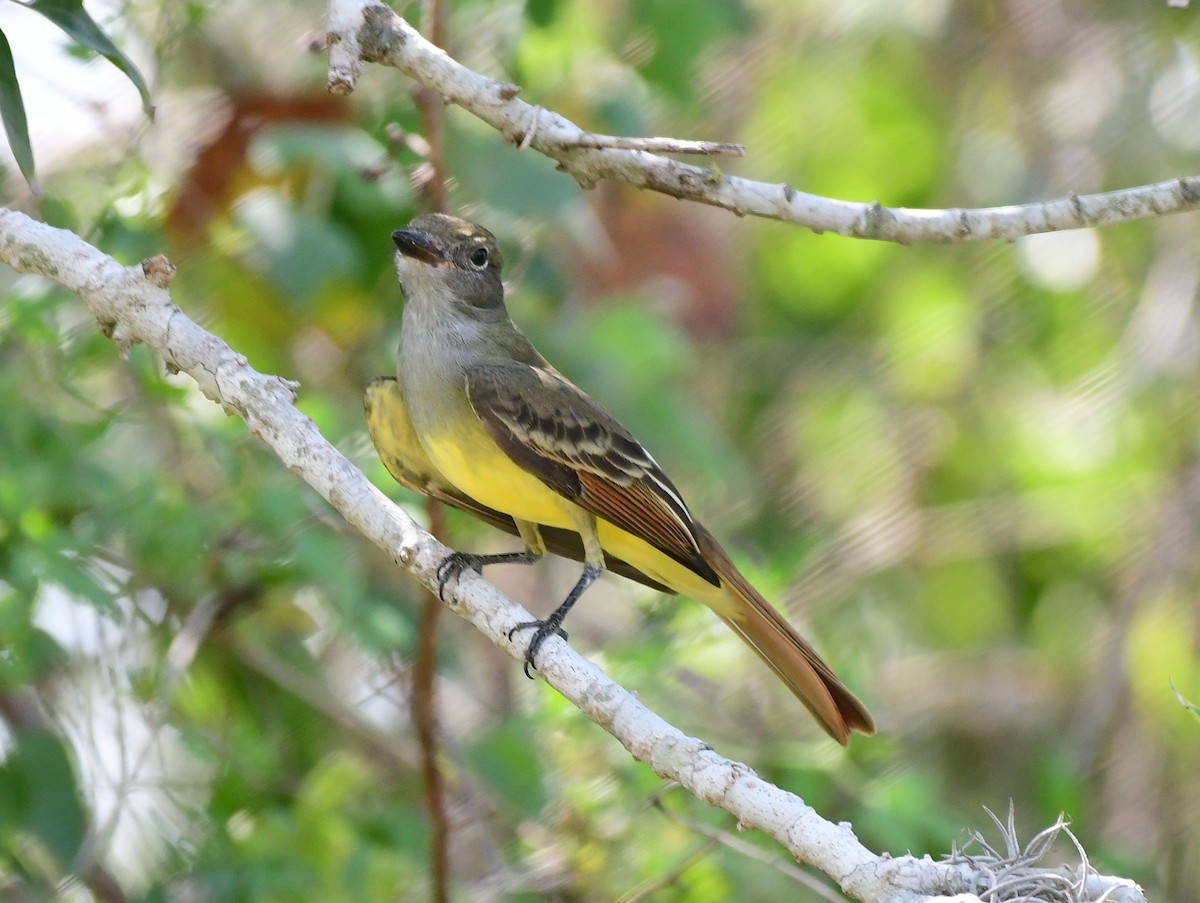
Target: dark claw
453	565
544	630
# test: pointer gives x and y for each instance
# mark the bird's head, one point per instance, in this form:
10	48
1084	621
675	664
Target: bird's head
449	259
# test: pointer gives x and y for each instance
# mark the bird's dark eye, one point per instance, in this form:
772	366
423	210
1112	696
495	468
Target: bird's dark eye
479	258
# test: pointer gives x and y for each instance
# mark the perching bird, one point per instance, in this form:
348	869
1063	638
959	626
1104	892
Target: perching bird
479	419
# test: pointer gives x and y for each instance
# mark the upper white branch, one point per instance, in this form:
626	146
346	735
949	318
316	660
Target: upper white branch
379	35
132	305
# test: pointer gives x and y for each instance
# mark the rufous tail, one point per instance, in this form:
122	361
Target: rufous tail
788	654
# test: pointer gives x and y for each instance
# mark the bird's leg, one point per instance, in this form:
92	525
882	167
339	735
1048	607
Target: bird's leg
455	563
593	567
553	624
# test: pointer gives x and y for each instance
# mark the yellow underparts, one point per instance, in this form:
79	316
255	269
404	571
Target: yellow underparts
478	467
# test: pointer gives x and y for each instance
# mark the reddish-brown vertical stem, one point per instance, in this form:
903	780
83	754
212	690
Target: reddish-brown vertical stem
431	185
425	719
432	175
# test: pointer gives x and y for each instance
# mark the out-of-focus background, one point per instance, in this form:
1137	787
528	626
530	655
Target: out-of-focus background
970	473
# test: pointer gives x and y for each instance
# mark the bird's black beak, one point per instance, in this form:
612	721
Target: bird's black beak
419	246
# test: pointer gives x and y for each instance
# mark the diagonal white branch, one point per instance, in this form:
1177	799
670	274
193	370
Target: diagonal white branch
132	305
366	30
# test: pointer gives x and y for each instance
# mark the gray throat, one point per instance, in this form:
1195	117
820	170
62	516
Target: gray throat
437	348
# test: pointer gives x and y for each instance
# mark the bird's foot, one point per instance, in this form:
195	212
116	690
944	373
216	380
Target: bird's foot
454	564
542	631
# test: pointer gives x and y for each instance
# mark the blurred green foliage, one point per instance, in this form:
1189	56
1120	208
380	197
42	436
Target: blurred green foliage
969	472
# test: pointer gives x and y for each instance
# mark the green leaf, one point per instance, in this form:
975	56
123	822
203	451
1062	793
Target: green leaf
39	787
70	16
12	111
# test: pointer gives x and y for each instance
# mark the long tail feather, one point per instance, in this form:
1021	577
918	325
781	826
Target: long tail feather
788	654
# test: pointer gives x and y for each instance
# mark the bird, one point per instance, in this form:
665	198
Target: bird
478	418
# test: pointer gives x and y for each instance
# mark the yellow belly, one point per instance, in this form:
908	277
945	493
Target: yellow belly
478	467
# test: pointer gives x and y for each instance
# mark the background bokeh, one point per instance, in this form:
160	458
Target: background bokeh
970	473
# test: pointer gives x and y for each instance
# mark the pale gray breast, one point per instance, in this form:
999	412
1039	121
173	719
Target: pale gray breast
436	349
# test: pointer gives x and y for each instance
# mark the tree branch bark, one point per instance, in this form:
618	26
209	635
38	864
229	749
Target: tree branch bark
133	306
369	31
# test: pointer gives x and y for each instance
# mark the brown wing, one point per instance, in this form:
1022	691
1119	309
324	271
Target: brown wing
401	453
548	426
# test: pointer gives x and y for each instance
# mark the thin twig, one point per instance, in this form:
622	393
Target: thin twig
669	878
659	145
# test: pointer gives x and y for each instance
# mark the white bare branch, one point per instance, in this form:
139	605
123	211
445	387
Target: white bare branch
381	36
